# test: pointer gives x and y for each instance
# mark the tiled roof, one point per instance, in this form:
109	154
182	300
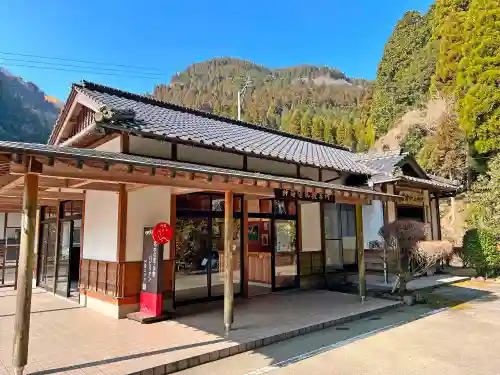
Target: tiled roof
83	154
384	164
169	121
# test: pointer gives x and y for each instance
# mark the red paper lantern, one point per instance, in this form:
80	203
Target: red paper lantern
162	233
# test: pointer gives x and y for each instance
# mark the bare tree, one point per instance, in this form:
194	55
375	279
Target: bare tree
414	255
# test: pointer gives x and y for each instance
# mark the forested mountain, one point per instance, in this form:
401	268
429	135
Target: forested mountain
450	55
26	113
317	102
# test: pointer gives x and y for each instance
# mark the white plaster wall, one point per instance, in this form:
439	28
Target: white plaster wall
373	220
145	207
114	145
101	225
310	226
150	147
329	174
309	173
192	154
271	167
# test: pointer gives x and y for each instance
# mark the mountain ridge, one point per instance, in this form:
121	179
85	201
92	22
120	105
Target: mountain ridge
26	112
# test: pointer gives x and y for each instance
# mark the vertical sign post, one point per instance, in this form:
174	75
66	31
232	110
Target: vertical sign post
152	269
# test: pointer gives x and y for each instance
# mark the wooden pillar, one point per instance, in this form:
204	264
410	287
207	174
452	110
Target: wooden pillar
25	275
435	220
228	262
391	206
4	254
122	223
57	245
245	248
360	244
427	214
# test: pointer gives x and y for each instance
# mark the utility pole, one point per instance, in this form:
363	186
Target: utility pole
240	95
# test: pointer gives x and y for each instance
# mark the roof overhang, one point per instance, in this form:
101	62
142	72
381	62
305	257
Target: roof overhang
436	186
64	171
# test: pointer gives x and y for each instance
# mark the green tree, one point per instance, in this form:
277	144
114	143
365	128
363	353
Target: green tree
414	140
478	80
294	123
317	131
306	124
405	71
485	199
445	153
448	32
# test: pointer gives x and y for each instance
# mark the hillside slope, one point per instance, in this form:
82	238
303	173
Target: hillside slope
313	101
26	113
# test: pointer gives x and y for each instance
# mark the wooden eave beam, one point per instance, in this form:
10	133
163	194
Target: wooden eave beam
46	194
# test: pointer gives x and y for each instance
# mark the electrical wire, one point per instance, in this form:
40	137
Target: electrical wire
79	71
78	66
74	60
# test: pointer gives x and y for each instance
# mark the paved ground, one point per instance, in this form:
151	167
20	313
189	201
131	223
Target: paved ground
459	340
67	338
376	281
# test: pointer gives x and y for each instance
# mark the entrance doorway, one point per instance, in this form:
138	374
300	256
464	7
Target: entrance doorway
411	213
199	252
59	249
340	237
272	245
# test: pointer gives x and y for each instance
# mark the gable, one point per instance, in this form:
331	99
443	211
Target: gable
76	116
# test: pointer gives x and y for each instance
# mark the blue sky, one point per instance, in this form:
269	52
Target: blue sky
169	35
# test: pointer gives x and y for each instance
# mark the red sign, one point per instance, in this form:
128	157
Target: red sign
162	233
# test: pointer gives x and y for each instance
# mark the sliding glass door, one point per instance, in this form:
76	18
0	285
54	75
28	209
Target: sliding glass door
199	254
63	258
285	254
340	236
47	256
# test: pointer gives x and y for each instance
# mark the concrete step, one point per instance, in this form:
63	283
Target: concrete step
270	338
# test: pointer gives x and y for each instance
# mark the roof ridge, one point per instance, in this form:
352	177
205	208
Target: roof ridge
150	100
381	155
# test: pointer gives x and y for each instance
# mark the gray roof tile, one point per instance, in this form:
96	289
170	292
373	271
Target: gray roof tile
175	122
384	163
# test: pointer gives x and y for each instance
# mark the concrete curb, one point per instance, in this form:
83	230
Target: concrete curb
215	355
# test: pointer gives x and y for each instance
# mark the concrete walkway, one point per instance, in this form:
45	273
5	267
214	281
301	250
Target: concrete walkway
376	281
67	338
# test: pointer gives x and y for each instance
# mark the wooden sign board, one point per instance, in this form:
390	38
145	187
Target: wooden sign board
306	196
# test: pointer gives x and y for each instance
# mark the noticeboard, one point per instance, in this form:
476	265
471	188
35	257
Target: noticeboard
152	264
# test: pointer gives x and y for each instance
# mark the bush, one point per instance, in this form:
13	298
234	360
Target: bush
480	251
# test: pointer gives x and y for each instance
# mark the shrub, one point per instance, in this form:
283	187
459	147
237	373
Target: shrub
480	251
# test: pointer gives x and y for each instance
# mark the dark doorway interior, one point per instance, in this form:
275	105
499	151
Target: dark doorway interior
411	213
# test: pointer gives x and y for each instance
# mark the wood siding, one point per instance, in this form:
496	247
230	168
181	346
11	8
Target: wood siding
118	280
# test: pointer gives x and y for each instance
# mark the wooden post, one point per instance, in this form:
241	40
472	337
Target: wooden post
245	248
391	206
361	251
57	245
427	214
228	262
25	275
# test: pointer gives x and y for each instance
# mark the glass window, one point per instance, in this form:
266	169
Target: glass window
193	202
348	215
71	208
332	222
218	204
286	253
49	212
280	207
